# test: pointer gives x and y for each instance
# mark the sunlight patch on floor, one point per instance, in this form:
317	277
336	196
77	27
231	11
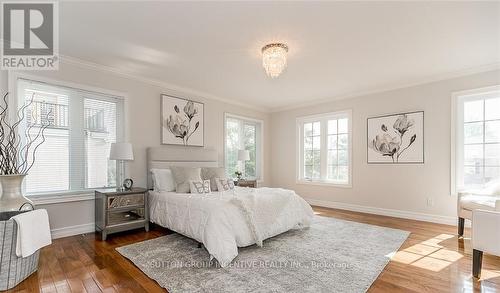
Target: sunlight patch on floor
447	255
431	264
487	283
428	254
422	249
489	274
436	240
406	257
444	236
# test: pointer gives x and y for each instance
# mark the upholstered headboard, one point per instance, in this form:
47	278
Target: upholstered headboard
166	156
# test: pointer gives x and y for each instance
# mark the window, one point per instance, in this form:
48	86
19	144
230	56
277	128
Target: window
324	154
476	138
243	134
74	156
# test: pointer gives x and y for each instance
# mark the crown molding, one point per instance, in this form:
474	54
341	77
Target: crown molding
396	86
191	91
156	82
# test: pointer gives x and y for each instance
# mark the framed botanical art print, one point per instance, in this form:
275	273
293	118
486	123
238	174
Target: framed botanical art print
182	121
396	139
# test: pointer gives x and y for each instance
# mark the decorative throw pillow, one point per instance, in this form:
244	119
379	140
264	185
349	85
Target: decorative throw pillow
224	184
182	176
163	180
211	174
199	187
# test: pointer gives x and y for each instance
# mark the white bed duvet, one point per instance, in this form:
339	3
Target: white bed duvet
225	221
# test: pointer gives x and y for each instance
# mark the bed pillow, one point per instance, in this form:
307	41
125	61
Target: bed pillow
224	184
199	187
493	188
182	176
211	174
163	180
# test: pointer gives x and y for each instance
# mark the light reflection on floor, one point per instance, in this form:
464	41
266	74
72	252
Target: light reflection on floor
431	255
428	254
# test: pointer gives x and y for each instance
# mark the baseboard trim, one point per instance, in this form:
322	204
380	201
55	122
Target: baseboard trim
90	227
384	212
72	230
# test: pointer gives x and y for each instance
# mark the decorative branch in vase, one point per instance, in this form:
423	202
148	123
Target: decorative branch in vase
18	153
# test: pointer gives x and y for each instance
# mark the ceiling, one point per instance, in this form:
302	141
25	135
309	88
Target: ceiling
337	49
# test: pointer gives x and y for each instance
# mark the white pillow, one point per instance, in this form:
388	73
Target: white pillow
493	188
211	174
182	176
163	180
224	184
200	187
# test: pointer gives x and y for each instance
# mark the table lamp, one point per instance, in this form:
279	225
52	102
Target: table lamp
243	155
121	151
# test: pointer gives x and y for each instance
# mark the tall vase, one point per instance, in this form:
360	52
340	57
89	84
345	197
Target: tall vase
12	198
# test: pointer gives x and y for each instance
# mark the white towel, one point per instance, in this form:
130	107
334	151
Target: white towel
33	232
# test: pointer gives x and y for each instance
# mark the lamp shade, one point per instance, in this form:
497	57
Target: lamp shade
121	151
243	155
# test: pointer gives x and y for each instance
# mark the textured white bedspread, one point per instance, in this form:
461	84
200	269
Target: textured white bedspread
225	221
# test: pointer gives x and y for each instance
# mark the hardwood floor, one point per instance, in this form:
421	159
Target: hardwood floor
432	259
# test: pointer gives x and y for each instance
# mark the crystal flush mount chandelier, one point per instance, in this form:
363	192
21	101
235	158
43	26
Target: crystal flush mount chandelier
274	58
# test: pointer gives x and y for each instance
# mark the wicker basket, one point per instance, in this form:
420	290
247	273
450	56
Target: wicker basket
13	269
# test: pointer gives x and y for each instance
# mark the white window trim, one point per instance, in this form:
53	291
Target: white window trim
456	135
261	146
74	195
300	143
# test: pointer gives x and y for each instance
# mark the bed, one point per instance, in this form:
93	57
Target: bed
222	221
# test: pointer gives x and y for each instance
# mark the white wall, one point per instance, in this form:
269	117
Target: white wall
400	190
143	128
3	81
395	190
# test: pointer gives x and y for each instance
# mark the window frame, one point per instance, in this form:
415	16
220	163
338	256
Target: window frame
457	140
259	145
323	118
85	90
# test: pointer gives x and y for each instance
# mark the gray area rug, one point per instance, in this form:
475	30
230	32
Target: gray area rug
331	256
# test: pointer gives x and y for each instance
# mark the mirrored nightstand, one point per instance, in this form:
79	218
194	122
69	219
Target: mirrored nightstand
246	183
120	210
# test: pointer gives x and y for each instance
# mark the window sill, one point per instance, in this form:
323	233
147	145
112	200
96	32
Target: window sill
41	199
324	183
